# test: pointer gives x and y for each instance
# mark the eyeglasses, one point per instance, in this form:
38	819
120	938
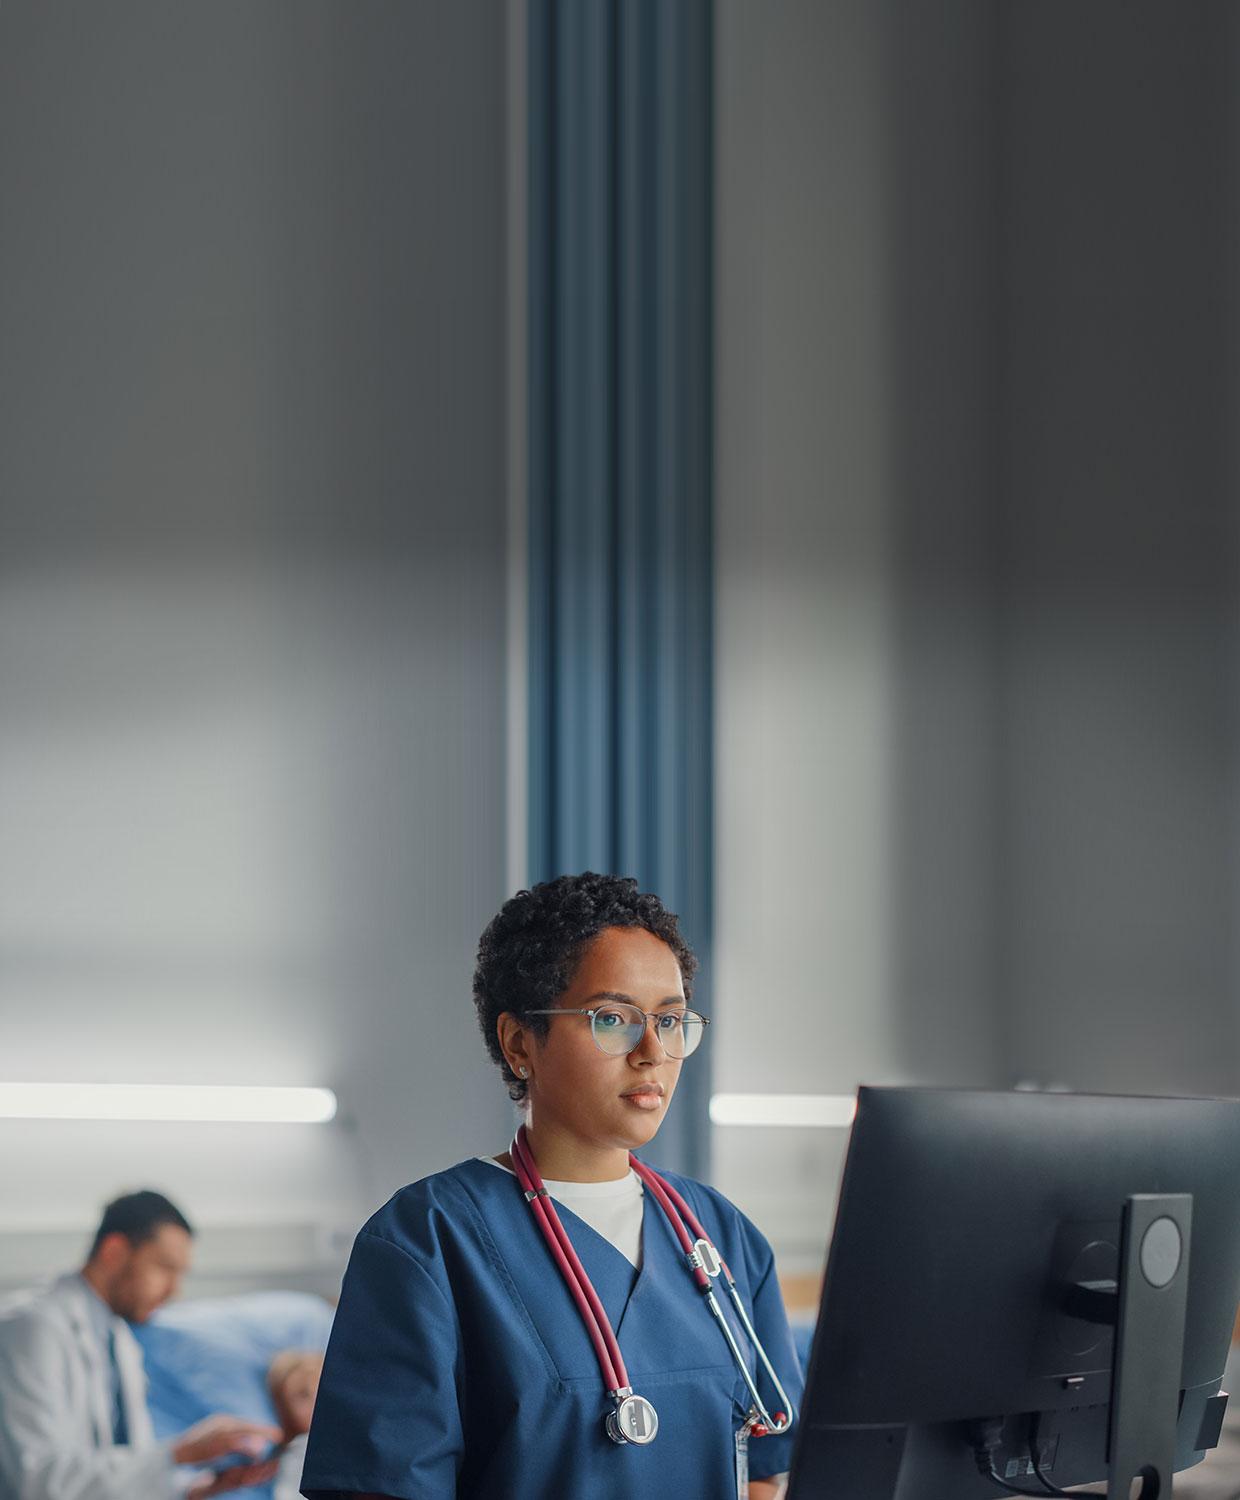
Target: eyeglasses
619	1028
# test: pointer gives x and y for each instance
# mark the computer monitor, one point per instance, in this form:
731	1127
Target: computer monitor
991	1255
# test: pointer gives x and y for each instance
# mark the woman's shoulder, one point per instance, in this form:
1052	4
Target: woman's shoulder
701	1196
736	1234
417	1217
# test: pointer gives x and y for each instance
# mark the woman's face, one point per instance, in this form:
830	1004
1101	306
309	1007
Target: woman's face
600	1099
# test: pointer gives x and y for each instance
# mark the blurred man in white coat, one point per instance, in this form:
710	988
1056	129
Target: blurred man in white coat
74	1423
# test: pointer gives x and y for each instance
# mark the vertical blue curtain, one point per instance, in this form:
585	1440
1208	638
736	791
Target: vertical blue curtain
620	443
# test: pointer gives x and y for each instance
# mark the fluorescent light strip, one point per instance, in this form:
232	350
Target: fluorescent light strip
237	1104
833	1111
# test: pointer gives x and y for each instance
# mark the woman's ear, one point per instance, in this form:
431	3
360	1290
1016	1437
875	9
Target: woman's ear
514	1043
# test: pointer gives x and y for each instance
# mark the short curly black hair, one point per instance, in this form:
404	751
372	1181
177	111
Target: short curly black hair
529	952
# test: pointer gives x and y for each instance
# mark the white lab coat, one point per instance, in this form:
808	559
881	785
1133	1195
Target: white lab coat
56	1407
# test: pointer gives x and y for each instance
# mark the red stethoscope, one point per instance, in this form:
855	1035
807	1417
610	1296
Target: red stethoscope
634	1419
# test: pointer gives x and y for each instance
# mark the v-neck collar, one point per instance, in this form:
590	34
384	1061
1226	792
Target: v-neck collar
617	1281
657	1316
605	1265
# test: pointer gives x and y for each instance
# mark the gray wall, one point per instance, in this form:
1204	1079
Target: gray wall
1119	544
854	670
252	552
977	551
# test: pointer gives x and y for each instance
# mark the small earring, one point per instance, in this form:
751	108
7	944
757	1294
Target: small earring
524	1072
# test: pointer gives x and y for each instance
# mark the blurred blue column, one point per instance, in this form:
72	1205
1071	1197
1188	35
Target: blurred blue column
620	443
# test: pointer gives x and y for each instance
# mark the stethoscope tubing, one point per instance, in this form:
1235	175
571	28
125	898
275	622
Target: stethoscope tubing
680	1215
598	1325
663	1190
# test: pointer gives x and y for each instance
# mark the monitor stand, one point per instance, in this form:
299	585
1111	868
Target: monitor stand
1145	1305
1147	1308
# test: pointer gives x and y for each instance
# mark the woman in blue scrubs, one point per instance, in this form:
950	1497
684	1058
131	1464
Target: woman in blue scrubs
459	1363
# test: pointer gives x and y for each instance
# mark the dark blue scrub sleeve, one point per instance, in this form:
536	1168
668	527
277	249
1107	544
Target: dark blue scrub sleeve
387	1418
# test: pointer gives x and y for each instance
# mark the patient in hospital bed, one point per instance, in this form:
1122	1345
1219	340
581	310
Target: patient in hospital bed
261	1351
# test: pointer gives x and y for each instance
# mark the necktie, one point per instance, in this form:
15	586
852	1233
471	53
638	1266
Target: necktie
120	1427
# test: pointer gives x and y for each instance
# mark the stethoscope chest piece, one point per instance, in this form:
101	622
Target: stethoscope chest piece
633	1421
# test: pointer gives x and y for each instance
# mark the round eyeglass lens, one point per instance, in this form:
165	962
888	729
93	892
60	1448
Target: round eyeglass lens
687	1034
619	1029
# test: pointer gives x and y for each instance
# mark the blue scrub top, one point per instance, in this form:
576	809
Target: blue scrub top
459	1365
